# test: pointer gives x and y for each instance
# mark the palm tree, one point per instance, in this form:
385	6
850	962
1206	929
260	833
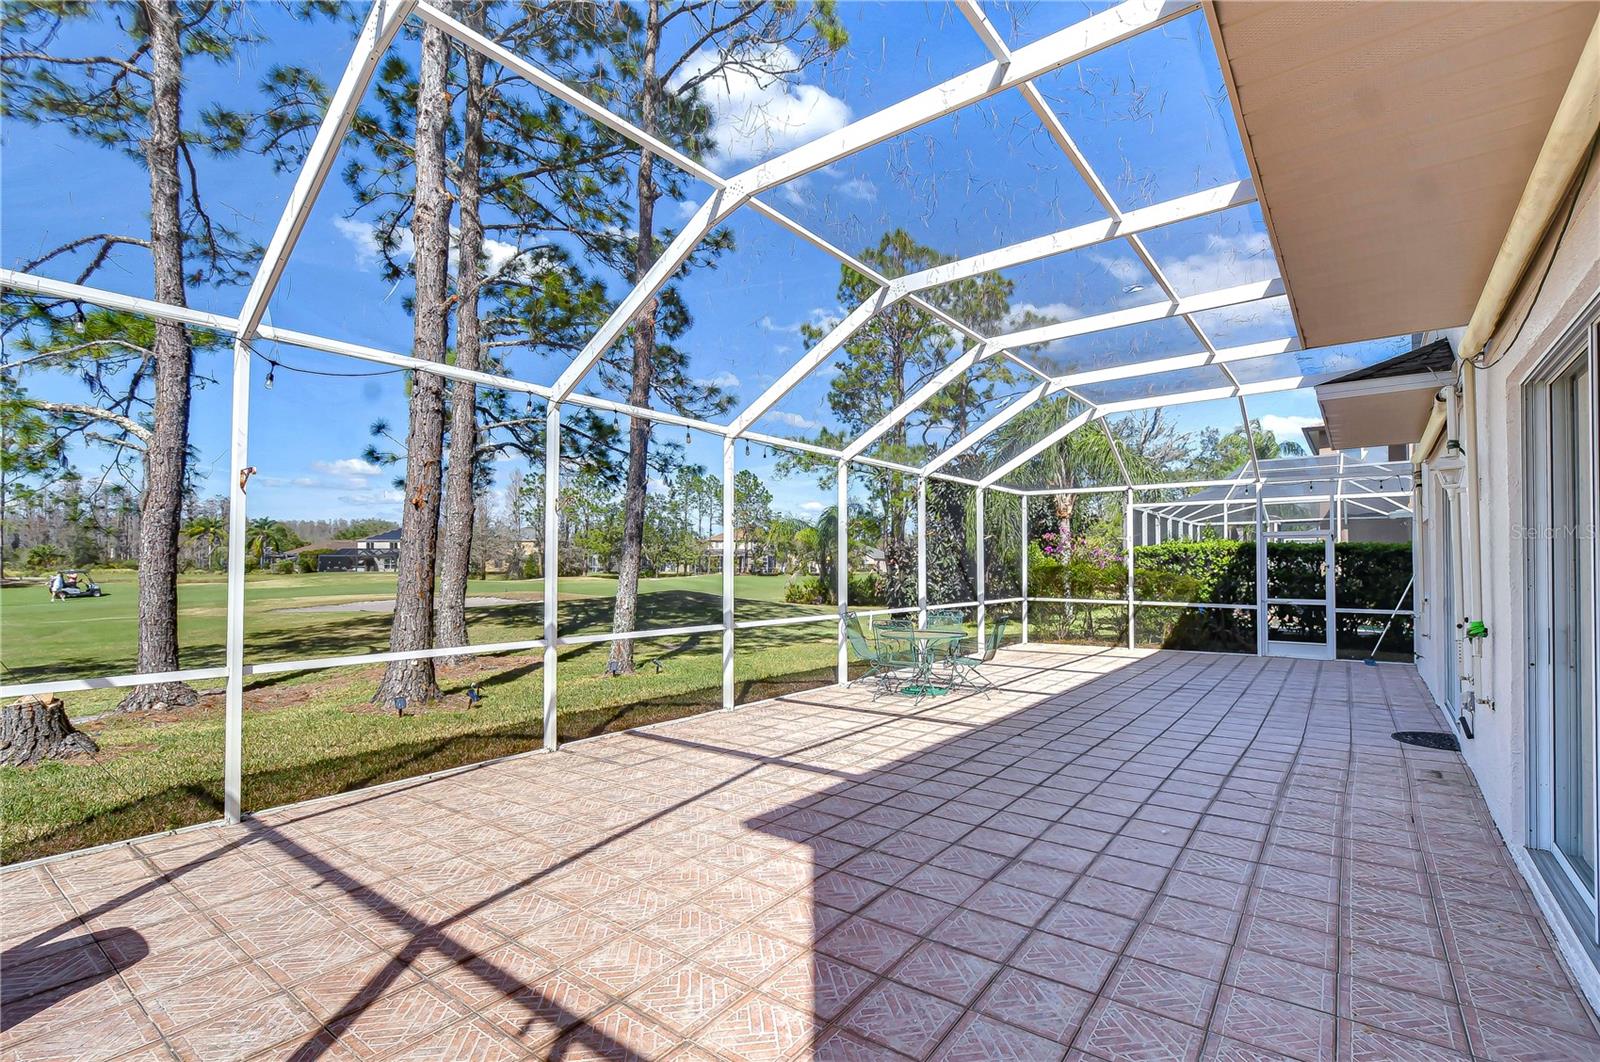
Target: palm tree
208	531
265	533
827	547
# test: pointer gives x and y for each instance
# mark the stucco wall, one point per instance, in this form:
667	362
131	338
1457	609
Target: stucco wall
1498	754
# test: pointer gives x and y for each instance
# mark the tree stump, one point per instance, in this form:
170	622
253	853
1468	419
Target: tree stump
34	729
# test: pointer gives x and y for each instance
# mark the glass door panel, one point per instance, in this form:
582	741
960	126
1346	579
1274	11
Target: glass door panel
1573	630
1296	593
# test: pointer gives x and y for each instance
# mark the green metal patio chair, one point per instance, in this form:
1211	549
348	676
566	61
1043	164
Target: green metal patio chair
881	666
964	669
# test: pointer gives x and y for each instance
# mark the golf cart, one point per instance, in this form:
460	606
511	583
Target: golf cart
74	583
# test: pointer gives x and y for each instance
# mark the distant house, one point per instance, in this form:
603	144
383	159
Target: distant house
376	553
751	557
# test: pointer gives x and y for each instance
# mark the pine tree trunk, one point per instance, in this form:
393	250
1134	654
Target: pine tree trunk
455	547
165	454
644	359
32	729
412	626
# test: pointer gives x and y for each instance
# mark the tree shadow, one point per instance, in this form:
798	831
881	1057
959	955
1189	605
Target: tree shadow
543	1002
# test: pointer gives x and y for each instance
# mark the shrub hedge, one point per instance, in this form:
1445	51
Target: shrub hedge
1367	575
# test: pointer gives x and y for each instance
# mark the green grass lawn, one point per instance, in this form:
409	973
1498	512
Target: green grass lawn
315	733
43	640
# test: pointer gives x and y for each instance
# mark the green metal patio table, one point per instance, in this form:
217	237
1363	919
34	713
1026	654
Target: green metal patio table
928	644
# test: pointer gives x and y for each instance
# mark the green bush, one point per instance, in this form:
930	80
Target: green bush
805	590
868	588
1211	570
1372	575
284	567
306	560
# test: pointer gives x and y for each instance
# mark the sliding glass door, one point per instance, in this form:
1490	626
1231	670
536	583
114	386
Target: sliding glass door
1562	442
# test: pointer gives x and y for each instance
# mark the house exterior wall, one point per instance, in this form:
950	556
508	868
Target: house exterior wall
1498	753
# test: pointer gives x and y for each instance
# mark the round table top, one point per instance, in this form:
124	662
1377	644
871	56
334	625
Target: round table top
921	633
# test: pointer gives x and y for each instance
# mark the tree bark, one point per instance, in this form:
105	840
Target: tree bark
412	626
644	355
32	729
167	448
455	548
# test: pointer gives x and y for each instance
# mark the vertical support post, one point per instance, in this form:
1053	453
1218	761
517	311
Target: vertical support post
978	579
233	708
552	565
1027	502
842	566
922	550
1127	542
1227	531
729	534
1261	574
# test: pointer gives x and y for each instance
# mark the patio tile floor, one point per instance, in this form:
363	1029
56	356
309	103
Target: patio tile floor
1116	855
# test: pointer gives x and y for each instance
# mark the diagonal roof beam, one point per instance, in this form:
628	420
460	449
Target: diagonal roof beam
988	427
1116	452
1154	311
1012	464
1078	237
932	386
1080	162
1049	53
1282	383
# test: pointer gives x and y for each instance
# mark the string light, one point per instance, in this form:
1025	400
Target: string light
80	323
272	367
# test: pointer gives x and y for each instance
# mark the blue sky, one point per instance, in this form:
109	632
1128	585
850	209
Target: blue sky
1150	114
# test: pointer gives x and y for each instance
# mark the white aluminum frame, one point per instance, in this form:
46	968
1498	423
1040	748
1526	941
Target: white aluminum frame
1009	70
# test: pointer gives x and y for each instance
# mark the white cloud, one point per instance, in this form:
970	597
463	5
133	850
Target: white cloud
1227	260
347	466
724	379
1122	270
860	188
373	499
498	255
1051	312
823	317
812	506
792	420
364	237
1286	428
756	113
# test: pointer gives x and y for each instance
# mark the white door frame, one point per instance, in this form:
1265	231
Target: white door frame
1325	650
1544	453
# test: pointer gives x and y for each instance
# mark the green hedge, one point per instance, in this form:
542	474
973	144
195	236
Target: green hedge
1368	575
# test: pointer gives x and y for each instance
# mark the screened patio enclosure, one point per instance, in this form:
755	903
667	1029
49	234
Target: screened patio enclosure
980	456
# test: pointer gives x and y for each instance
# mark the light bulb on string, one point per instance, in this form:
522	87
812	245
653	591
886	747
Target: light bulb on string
747	449
79	323
272	367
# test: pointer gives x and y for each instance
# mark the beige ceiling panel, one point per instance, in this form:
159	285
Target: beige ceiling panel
1391	142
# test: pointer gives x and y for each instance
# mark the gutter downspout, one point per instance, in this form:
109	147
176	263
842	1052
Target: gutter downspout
1566	145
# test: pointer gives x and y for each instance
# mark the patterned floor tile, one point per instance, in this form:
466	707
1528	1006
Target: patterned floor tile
946	972
759	1028
1120	1033
902	1018
977	1038
837	876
